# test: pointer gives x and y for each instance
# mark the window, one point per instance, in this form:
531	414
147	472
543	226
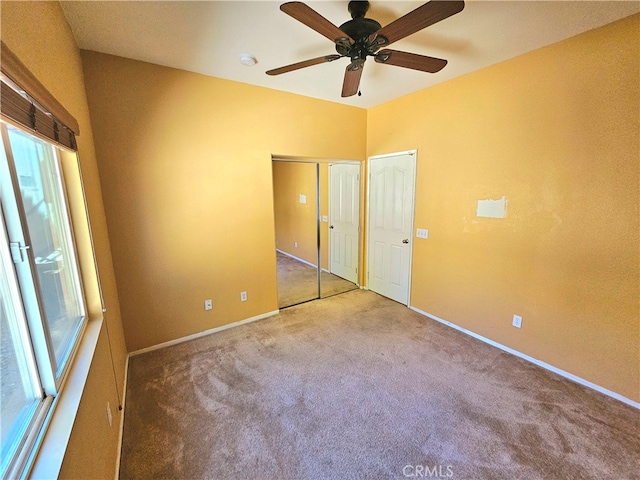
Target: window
42	308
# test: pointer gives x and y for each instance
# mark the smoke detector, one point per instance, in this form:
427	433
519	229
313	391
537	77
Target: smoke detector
248	60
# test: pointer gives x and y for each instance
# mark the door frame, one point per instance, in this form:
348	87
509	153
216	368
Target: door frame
360	214
414	154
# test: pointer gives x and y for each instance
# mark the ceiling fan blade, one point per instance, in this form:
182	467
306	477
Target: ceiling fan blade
306	63
410	60
314	20
428	14
352	79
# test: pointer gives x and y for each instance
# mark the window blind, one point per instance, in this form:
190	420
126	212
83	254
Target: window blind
26	101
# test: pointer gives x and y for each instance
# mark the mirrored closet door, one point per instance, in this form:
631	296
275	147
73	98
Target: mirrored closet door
295	199
339	227
317	218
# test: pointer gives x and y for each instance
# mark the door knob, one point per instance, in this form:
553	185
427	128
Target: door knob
406	240
331	226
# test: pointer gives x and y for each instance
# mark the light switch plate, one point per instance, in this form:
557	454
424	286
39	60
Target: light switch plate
422	233
517	321
325	218
303	198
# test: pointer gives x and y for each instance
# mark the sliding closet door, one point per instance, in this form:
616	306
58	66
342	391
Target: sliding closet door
295	191
340	239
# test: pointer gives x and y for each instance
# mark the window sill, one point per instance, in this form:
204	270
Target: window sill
49	452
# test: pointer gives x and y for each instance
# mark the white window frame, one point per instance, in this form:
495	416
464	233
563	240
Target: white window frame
51	378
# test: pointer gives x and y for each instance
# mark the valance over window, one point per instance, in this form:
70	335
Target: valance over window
36	110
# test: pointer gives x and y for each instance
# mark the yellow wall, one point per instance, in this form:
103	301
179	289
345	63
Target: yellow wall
556	131
296	224
186	171
38	34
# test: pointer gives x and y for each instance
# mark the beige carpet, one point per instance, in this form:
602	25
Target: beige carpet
359	387
298	282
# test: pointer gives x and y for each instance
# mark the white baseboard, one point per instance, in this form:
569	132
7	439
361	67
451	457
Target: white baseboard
203	334
535	361
121	434
297	258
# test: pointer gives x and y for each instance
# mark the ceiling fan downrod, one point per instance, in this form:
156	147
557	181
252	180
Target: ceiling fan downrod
358	9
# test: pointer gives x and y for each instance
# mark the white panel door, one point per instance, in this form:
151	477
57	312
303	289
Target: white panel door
344	218
391	203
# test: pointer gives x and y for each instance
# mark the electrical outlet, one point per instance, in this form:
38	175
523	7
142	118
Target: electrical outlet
109	417
243	296
517	321
295	244
208	304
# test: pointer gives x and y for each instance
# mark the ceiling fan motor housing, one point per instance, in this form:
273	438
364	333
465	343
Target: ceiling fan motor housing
359	29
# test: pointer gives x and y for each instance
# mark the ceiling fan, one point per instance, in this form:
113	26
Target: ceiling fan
361	37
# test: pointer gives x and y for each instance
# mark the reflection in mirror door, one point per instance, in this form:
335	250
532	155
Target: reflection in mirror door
309	199
295	192
340	208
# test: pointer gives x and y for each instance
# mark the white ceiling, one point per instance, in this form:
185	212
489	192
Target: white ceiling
208	37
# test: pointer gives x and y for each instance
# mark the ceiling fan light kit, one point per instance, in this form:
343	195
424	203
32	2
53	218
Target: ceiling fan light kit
362	37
